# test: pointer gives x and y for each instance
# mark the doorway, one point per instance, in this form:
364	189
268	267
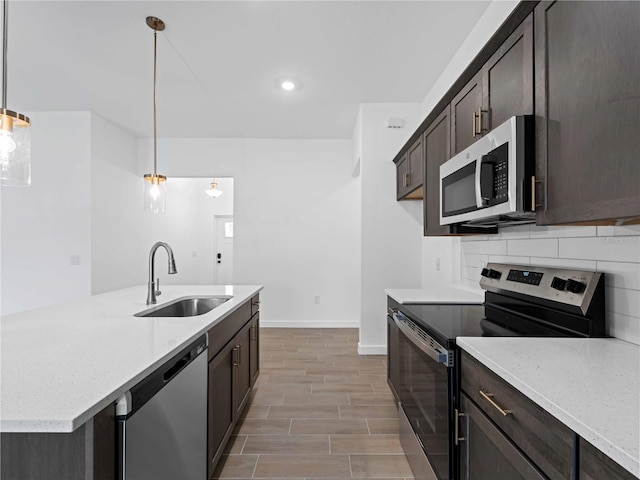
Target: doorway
223	248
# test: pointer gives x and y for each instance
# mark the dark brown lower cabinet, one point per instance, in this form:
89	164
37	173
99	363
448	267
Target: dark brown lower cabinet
595	465
233	370
254	349
486	453
221	409
87	453
547	443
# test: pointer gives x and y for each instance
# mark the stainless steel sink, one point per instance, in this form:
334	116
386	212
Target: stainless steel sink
185	307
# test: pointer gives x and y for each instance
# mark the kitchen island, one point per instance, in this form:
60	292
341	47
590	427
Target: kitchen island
65	365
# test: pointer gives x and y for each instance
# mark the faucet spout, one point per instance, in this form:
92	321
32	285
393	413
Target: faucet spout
152	292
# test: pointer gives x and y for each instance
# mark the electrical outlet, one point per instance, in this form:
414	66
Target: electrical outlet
437	264
316	299
74	260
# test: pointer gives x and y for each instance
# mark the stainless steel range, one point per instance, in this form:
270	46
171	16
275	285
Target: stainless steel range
423	367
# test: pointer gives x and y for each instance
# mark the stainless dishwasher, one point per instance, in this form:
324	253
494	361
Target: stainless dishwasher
162	421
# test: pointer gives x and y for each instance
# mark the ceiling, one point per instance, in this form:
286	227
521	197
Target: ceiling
219	62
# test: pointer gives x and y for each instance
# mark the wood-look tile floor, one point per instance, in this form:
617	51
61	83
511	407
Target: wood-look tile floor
318	410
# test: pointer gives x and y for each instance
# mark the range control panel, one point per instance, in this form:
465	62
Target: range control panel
572	287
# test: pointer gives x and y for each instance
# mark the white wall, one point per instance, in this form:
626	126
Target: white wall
391	230
296	212
45	224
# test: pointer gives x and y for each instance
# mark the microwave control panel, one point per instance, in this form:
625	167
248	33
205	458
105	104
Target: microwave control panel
494	176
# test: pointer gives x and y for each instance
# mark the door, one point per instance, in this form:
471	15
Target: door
243	367
486	453
221	411
587	103
437	150
467	119
223	248
508	77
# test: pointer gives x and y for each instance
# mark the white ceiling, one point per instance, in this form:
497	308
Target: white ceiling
218	62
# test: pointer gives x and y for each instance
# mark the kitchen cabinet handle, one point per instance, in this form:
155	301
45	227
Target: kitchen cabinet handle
473	124
534	182
239	354
457	415
235	356
487	396
254	331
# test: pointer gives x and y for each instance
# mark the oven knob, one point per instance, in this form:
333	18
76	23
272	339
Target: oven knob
490	273
558	283
575	287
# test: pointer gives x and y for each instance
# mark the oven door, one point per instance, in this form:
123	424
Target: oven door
424	377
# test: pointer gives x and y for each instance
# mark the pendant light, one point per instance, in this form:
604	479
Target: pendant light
15	138
155	186
213	191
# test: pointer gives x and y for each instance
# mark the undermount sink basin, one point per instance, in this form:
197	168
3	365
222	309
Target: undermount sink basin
185	307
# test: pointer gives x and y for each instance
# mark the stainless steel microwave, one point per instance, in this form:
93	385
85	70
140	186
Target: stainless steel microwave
492	181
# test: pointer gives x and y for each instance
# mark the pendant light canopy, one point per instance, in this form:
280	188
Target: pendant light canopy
213	191
155	186
15	138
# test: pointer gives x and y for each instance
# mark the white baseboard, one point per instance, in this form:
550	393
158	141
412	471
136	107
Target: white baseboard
312	324
372	349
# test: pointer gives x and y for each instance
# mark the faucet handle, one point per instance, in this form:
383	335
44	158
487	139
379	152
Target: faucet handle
158	292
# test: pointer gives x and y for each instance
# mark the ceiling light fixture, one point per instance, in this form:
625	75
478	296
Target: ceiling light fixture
288	85
155	186
15	138
213	192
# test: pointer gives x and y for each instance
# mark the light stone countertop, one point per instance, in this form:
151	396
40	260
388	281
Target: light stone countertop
61	365
592	385
438	294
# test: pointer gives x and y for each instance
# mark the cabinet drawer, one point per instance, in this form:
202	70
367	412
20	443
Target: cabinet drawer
545	440
227	328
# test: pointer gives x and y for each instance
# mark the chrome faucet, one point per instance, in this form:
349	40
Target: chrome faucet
153	289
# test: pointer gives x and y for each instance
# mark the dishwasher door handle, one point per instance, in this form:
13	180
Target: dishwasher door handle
176	367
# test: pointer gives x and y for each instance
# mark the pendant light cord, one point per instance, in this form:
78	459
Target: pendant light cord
4	53
155	131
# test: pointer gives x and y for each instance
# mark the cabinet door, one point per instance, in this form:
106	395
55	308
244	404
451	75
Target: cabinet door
587	65
221	410
507	78
486	453
402	177
595	465
466	106
415	159
254	350
243	366
437	151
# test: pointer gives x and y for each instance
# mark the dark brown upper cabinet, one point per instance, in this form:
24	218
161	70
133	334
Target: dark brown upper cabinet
587	103
437	150
507	79
501	89
466	115
409	173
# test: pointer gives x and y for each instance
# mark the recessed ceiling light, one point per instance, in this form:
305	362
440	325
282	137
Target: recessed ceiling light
287	85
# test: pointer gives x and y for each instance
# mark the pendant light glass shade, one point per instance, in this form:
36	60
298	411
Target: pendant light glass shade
15	138
213	191
155	193
155	186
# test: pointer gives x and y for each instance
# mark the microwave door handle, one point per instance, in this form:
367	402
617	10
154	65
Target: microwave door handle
437	352
478	184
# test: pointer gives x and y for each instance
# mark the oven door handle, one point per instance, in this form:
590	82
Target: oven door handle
427	344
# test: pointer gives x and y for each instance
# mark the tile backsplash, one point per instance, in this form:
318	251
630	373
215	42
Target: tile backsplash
612	250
